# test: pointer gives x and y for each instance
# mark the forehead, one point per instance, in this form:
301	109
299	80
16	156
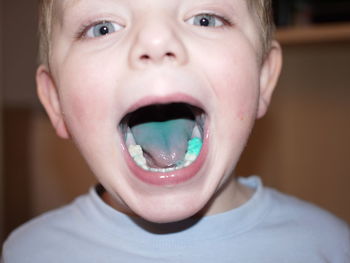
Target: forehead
67	4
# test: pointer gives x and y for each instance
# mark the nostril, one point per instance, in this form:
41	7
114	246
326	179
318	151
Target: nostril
170	54
167	55
145	57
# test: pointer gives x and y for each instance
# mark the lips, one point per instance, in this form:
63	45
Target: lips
158	128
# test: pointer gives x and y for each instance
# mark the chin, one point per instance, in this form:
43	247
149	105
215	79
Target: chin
168	212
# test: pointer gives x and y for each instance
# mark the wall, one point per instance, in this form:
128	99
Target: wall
20	46
1	131
302	146
18	41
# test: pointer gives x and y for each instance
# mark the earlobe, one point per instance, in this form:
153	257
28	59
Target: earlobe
49	98
269	75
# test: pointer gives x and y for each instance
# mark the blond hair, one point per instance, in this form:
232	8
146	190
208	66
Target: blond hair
262	9
45	29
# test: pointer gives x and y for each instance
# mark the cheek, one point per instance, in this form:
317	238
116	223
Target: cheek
87	96
239	93
233	73
235	82
238	98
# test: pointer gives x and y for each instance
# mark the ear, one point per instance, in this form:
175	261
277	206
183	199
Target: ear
49	97
269	75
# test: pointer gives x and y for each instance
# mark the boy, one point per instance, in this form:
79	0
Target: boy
160	98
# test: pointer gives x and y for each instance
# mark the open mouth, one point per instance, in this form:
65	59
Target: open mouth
163	138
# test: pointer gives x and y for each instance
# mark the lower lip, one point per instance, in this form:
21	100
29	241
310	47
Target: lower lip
169	178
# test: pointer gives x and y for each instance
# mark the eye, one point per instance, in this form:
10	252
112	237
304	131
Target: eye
206	20
102	28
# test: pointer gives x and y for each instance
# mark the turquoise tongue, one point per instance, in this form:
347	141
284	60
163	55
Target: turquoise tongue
164	143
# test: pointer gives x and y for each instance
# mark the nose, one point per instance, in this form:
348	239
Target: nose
155	43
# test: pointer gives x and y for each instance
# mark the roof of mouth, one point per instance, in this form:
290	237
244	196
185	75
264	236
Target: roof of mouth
160	113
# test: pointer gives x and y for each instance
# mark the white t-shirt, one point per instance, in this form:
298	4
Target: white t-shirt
270	228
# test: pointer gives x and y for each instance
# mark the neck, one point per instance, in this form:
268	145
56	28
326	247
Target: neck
229	195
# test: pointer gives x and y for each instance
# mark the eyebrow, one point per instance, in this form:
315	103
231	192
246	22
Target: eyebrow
70	3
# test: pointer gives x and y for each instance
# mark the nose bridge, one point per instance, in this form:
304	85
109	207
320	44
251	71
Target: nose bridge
156	40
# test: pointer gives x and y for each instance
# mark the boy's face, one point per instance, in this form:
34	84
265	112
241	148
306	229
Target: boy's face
112	57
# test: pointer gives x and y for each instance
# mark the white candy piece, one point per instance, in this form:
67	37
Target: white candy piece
135	150
140	160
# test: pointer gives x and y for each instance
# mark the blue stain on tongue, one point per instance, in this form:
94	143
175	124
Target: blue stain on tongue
164	143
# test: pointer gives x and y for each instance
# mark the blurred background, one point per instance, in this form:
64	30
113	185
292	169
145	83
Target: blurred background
302	146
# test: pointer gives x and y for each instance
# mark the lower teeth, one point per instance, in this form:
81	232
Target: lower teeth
193	149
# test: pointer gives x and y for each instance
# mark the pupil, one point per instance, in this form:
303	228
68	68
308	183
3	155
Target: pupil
104	30
204	21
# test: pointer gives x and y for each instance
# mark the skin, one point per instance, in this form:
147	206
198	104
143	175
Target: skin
157	53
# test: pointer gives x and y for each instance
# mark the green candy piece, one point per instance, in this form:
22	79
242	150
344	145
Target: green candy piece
194	146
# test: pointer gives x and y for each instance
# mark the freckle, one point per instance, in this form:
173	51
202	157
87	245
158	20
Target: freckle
241	115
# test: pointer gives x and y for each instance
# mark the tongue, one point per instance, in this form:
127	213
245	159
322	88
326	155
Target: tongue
164	143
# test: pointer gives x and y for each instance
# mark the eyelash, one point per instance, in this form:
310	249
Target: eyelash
81	34
225	20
